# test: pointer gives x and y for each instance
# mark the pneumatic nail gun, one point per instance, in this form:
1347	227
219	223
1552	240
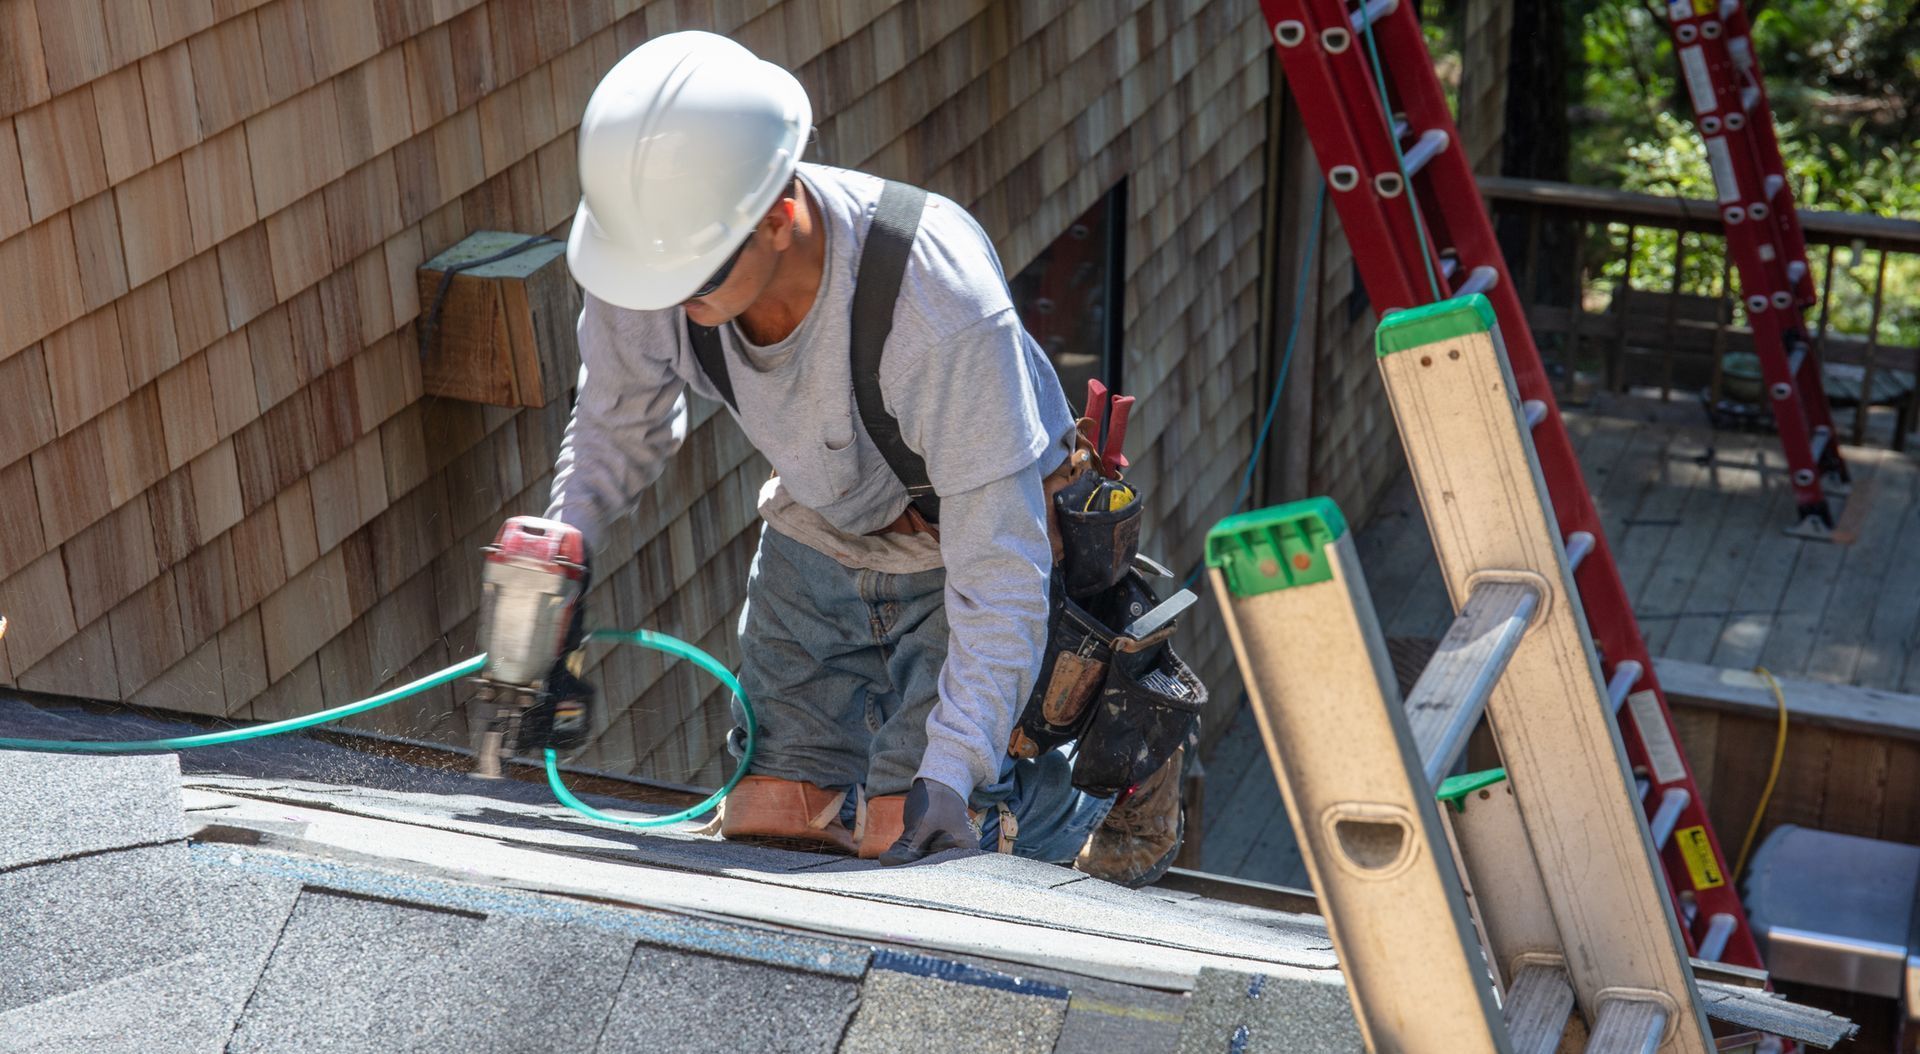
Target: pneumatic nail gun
533	580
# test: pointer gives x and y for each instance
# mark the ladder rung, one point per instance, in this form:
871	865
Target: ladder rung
1452	692
1482	279
1536	411
1749	97
1579	544
1399	127
1628	1026
1373	12
1741	51
1432	141
1537	1009
1727	8
1643	787
1796	271
1822	436
1671	804
1775	184
1714	944
1449	264
1625	676
1795	360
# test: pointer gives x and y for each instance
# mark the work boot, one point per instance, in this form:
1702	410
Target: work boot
1137	842
792	814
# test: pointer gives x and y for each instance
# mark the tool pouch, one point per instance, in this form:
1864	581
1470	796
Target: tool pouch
1098	545
1130	702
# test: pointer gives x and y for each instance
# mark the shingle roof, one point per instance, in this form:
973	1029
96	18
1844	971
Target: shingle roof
291	895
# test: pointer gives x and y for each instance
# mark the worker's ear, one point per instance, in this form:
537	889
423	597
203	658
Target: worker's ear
779	221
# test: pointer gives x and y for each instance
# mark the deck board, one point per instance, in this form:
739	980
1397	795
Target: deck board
1714	579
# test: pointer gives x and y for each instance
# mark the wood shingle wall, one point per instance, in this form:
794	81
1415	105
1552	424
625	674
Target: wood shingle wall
222	489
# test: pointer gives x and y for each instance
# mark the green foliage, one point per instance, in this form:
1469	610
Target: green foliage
1843	79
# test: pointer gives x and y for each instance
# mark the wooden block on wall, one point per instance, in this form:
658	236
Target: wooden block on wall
23	63
157	232
492	342
146	634
229	73
109	560
173	115
147	332
82	667
219	178
198	300
71	476
120	111
41	274
60	152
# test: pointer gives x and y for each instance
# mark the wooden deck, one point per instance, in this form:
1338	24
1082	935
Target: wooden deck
1695	520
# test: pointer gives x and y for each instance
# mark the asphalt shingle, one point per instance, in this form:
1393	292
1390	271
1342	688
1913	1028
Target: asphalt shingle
352	974
913	1002
75	923
62	805
1261	1014
702	1004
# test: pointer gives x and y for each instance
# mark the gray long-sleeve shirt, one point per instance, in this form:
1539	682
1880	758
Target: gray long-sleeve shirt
974	396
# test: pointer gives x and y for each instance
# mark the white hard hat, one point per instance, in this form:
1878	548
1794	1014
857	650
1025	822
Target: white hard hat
685	145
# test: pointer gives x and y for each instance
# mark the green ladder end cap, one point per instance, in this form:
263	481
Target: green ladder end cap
1419	326
1276	548
1455	789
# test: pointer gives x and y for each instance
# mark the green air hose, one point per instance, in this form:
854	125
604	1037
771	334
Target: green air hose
644	638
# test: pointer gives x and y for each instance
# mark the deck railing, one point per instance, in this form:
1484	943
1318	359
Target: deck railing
1657	304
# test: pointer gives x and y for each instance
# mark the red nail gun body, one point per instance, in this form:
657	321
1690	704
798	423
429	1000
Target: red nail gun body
534	577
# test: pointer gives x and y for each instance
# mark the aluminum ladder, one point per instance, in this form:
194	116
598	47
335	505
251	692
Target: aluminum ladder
1714	46
1406	196
1558	887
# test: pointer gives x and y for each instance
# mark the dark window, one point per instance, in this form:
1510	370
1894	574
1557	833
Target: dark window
1069	296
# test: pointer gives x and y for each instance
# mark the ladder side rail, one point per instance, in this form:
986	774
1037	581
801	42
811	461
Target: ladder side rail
1321	686
1739	37
1352	86
1603	595
1332	130
1483	493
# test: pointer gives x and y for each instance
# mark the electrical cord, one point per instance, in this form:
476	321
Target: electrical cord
643	638
1773	773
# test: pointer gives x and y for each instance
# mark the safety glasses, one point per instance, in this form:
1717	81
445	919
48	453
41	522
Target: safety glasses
720	277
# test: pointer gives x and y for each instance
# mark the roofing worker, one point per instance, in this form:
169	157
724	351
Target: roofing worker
887	657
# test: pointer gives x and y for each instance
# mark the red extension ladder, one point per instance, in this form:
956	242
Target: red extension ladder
1722	78
1398	218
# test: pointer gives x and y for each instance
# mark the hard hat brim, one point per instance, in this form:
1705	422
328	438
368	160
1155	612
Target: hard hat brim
612	271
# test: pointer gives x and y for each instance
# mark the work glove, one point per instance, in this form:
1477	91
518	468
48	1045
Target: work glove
933	820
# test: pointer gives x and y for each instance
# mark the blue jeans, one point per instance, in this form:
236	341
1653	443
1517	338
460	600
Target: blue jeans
843	667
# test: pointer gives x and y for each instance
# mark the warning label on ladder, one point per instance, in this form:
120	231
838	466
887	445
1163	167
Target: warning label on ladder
1698	852
1663	755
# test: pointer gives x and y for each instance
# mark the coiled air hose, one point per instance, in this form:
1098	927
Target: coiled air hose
644	638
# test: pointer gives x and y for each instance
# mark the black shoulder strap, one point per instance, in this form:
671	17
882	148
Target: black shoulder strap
713	362
883	262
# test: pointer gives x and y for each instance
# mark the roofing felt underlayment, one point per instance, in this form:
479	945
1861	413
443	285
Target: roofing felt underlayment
291	895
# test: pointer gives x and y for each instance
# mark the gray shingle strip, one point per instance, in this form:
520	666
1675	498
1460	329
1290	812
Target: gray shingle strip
185	1005
702	1004
352	974
72	924
902	1011
54	806
1259	1014
1771	1013
759	944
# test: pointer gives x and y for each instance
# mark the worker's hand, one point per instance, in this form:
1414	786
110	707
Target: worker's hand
563	716
934	820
